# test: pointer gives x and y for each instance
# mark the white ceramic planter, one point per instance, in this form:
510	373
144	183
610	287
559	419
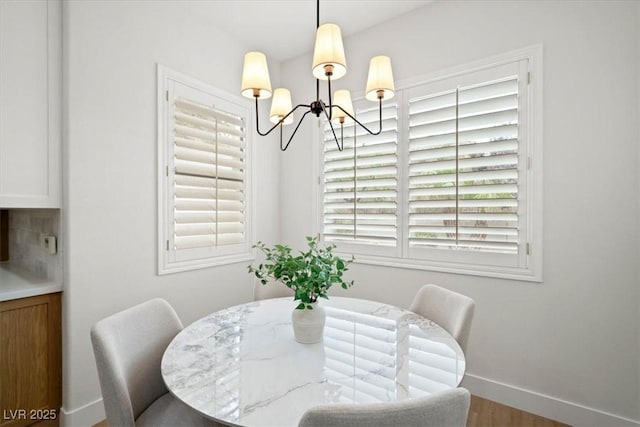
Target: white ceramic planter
308	325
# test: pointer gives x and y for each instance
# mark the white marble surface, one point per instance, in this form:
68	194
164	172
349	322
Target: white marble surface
243	366
16	282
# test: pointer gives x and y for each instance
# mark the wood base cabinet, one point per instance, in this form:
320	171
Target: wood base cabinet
30	360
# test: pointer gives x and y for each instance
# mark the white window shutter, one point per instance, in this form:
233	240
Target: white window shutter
361	182
463	168
209	176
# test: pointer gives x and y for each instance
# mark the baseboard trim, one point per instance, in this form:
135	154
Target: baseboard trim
84	416
543	405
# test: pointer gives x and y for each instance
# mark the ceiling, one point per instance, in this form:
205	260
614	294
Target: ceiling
284	29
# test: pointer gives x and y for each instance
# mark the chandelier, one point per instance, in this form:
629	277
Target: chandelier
329	64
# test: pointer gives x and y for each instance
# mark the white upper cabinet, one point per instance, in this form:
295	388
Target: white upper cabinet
30	103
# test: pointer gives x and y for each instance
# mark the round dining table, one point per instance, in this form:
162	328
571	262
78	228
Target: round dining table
242	365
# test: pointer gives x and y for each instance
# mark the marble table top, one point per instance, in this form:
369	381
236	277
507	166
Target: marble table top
242	365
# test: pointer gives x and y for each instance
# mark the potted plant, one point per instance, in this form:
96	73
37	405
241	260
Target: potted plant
309	274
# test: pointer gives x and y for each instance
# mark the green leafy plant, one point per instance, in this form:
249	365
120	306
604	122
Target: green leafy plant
309	274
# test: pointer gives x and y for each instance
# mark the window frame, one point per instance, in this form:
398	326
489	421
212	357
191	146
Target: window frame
168	260
529	267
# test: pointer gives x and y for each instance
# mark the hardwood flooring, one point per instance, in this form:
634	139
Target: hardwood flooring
485	413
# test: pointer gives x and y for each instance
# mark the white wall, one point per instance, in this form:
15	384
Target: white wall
110	53
569	347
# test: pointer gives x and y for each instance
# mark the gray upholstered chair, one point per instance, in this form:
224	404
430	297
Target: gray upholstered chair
128	348
272	289
445	409
451	310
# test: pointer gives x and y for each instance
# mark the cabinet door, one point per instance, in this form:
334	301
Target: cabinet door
30	58
30	360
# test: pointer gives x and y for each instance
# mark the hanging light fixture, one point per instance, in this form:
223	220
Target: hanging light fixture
329	63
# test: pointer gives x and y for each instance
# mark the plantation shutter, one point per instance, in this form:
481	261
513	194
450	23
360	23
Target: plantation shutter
463	167
361	182
209	178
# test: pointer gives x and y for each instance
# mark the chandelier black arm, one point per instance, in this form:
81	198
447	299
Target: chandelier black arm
340	147
294	131
279	122
358	122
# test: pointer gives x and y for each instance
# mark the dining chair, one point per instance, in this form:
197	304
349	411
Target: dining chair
272	289
449	309
444	409
128	347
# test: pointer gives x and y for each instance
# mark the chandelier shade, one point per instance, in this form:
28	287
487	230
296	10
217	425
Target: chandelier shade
255	76
328	53
342	98
380	79
280	106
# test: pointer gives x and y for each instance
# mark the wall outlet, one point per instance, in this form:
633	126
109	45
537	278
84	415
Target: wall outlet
49	244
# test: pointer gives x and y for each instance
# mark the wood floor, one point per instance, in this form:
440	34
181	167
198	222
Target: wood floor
485	413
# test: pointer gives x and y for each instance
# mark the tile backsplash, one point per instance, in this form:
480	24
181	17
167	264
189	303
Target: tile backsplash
26	227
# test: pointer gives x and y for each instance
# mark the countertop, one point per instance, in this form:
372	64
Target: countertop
16	282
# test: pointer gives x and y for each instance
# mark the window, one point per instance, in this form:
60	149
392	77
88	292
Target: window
204	175
452	183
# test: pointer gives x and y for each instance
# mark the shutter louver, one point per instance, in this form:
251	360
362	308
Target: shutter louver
209	162
360	183
463	168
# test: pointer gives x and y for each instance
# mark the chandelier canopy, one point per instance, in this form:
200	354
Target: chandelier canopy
329	63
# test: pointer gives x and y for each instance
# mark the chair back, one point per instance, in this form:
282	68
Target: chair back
444	409
272	289
128	347
451	310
